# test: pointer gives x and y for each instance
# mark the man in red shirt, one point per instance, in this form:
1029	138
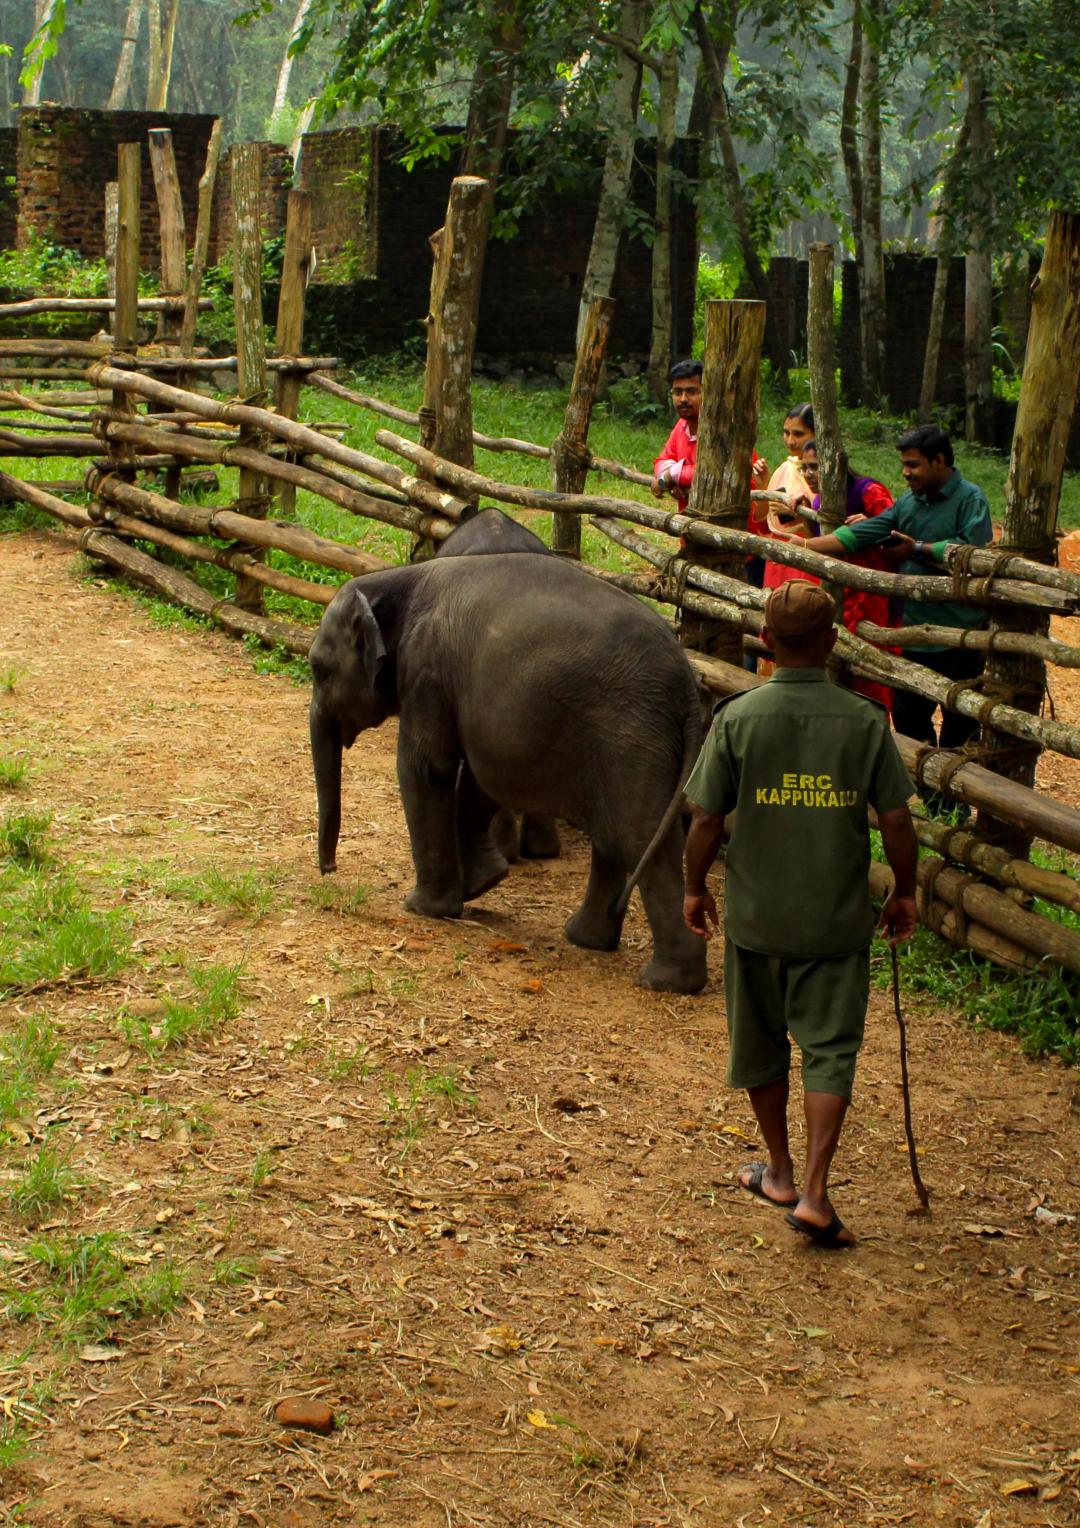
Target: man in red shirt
673	469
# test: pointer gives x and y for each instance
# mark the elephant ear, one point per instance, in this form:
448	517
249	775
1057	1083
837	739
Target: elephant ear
370	646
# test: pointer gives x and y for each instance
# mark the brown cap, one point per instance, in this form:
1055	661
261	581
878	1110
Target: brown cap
798	609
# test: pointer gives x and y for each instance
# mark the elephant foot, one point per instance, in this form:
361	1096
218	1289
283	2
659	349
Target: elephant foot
434	905
668	974
503	832
593	931
484	874
539	838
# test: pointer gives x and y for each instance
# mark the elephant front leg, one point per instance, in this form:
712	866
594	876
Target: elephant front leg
483	863
594	925
429	796
679	962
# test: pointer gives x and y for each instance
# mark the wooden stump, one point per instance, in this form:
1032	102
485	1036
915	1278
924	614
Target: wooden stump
250	336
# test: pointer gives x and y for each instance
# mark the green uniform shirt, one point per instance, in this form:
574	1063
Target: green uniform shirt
799	760
957	514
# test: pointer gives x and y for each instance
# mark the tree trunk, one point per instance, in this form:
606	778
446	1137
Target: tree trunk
849	133
246	166
731	391
618	163
660	348
570	452
289	338
491	95
171	221
1043	420
281	91
821	361
934	331
153	71
715	56
168	43
978	292
872	270
43	14
124	64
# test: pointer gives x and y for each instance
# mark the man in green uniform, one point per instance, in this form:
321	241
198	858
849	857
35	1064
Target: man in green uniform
941	509
798	761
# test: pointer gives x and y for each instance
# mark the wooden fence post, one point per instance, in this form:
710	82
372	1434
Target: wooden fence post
446	416
821	359
171	220
289	338
129	179
250	334
112	219
202	240
720	492
570	450
1044	417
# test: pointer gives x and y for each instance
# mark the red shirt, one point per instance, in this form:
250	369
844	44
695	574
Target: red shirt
677	461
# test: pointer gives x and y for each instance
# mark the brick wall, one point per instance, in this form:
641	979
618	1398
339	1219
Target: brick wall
340	171
8	207
532	282
276	179
909	289
66	156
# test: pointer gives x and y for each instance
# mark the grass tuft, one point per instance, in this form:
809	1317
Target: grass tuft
28	1054
24	838
49	934
47	1181
79	1287
214	1000
245	891
12	774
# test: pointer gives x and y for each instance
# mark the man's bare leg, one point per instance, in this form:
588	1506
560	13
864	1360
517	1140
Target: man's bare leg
770	1104
825	1114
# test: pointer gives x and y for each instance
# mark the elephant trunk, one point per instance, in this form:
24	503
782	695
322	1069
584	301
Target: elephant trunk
326	760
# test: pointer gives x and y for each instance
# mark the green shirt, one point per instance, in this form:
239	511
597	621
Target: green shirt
956	514
799	760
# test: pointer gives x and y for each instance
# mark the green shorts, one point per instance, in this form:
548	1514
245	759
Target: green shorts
821	1003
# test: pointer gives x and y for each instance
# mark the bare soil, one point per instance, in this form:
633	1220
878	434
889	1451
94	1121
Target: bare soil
546	1303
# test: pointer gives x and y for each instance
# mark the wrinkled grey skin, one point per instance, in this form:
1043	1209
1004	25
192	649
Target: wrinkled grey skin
488	532
519	682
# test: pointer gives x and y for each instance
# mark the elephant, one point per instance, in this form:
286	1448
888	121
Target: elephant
518	682
486	532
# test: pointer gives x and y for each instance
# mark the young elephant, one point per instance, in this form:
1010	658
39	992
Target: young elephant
488	532
519	682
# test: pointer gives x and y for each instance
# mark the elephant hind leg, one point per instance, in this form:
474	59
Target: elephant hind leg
483	864
539	837
679	962
594	925
504	834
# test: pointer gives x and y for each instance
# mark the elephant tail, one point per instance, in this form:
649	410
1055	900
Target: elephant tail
691	747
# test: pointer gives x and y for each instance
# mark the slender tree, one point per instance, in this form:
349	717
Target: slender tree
122	79
281	90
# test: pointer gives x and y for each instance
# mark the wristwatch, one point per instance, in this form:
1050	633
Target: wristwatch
920	550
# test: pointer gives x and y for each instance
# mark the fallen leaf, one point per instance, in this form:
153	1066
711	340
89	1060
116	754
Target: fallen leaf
504	1337
335	1122
1017	1487
532	986
253	1331
99	1353
373	1477
973	1229
815	1331
506	947
538	1418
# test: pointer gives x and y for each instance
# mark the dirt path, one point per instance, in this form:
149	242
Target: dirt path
547	1304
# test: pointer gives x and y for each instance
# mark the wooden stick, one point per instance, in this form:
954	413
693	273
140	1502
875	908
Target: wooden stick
905	1084
41	498
570	451
171	223
28	306
246	166
965	848
202	240
126	323
289	339
821	360
966	933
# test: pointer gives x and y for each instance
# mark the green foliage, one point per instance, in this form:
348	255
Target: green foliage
14	1445
41	267
716	280
24	838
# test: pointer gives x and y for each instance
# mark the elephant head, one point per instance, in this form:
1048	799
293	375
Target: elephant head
347	658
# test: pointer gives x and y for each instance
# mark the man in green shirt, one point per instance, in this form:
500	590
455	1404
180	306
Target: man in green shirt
798	761
941	509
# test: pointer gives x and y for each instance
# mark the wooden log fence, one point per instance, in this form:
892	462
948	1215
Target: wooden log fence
973	892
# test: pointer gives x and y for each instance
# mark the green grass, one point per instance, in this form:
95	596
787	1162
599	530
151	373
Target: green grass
243	891
47	1180
263	1167
12	773
213	1000
24	837
28	1054
231	1271
406	1103
353	1065
329	896
14	1445
78	1288
10	676
49	933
